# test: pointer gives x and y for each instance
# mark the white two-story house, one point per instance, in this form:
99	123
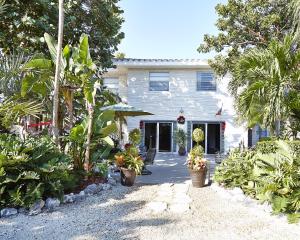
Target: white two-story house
170	88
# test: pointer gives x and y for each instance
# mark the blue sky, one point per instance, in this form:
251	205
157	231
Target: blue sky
167	28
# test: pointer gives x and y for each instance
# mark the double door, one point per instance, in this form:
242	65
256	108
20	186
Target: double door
212	137
159	135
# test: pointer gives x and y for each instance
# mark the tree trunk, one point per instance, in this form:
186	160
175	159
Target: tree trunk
55	119
87	163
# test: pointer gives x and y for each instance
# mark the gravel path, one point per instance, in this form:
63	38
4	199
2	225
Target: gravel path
124	213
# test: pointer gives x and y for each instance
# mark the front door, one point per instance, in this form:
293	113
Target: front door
165	137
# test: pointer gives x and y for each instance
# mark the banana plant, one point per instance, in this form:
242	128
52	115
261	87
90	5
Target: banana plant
103	126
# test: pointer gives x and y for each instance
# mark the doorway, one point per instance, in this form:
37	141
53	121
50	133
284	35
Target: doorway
159	135
212	137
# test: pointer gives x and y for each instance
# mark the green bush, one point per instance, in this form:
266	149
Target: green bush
32	170
269	173
271	146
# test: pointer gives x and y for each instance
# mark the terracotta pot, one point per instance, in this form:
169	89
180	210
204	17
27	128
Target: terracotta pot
198	177
127	177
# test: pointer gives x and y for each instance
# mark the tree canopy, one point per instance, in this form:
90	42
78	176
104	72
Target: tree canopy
265	83
244	24
24	23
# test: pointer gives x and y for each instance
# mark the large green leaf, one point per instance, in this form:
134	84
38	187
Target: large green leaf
84	48
52	46
108	141
109	129
40	64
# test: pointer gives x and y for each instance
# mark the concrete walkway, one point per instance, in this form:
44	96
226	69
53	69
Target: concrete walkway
170	168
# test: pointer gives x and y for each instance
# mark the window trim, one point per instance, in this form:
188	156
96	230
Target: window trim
198	82
161	81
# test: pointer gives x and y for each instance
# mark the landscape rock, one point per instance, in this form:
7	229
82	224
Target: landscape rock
52	203
106	186
157	207
6	212
22	210
112	181
80	196
36	208
69	198
93	189
116	176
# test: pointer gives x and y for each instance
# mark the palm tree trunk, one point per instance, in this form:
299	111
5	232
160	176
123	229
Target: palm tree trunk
57	72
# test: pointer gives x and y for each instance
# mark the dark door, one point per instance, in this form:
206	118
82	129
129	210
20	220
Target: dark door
150	135
165	137
213	138
202	127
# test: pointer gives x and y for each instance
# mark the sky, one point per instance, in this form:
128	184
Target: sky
167	28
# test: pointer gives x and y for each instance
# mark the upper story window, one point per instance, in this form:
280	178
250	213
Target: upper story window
206	81
111	84
159	81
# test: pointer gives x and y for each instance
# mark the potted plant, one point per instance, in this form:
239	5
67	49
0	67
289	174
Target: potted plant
196	163
180	138
129	161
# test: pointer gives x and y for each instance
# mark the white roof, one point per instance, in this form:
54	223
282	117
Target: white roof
170	63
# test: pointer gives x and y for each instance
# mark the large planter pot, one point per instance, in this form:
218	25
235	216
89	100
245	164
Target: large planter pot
198	177
181	151
127	177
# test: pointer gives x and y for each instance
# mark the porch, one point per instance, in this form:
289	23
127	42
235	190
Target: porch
171	168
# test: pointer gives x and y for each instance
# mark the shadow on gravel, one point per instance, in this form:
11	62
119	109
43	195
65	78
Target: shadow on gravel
108	215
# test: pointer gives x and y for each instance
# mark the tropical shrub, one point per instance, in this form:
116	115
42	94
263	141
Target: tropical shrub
268	174
130	158
32	169
180	137
101	142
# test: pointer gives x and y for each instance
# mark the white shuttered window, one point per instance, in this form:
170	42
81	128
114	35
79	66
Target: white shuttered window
159	81
206	81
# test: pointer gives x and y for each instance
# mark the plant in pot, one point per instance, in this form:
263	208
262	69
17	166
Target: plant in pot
129	160
180	138
196	163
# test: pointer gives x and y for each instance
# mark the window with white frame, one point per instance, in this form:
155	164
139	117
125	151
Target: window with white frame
111	84
159	81
206	81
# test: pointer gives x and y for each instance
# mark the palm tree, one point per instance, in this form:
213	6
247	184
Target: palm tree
262	82
295	8
58	71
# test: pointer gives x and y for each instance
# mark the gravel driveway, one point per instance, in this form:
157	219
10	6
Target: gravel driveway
124	213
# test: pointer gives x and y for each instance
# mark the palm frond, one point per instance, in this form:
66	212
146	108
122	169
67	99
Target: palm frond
11	110
11	72
295	9
3	7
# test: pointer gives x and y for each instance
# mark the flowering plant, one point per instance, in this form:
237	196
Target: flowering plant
129	159
196	163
